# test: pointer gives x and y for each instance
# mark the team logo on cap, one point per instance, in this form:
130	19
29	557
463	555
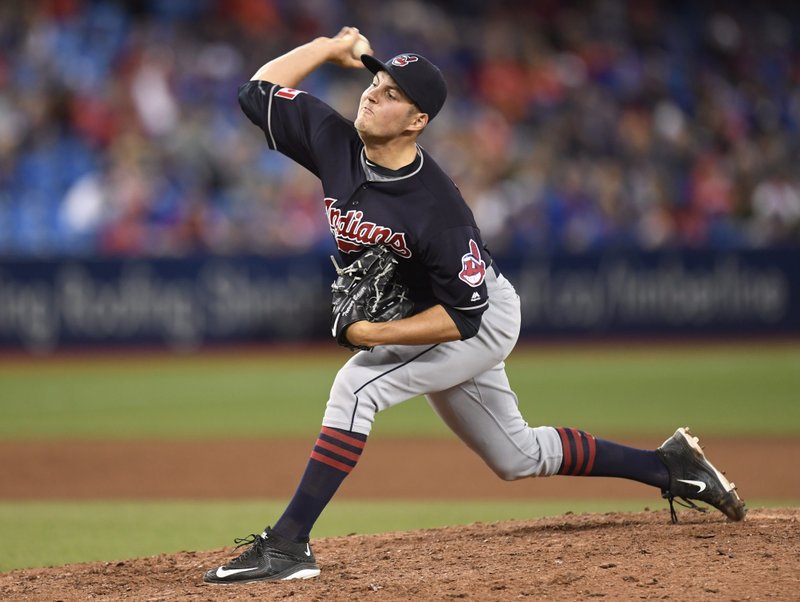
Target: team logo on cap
473	268
404	59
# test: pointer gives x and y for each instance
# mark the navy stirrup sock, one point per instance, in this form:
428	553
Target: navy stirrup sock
335	454
586	455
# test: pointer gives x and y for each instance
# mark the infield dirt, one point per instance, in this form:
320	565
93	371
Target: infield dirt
389	469
572	557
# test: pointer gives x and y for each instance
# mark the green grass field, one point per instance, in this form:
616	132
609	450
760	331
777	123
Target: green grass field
739	390
644	390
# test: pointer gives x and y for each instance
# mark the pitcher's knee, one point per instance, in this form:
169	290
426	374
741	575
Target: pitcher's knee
514	469
350	405
535	452
507	474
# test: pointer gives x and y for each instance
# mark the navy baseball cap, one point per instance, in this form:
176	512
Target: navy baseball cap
416	76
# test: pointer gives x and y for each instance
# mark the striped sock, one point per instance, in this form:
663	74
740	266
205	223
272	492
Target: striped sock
579	452
338	449
586	455
335	454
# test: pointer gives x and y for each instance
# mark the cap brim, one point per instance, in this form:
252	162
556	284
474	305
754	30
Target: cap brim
371	63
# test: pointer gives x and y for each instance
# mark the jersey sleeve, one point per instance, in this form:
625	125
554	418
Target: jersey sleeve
457	267
468	324
294	122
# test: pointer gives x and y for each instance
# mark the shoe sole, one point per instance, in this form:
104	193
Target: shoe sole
306	573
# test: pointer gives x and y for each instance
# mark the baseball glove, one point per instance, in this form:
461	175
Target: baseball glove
366	290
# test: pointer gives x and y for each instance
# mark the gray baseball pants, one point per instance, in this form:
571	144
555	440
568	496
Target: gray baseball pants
464	382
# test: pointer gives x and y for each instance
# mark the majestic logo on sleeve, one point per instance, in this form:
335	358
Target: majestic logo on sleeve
403	60
352	232
289	93
473	268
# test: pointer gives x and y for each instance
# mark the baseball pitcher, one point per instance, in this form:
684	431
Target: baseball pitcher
420	299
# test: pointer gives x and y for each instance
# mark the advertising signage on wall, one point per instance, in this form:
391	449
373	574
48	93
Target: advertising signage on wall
185	303
658	293
178	303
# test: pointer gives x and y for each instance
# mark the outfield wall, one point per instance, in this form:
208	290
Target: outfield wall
185	303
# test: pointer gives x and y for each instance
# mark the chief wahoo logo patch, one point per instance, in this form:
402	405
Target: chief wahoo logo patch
473	268
403	60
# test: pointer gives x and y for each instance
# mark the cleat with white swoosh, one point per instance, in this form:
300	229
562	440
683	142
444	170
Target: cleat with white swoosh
693	477
270	557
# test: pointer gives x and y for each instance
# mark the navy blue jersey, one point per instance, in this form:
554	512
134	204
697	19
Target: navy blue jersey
417	211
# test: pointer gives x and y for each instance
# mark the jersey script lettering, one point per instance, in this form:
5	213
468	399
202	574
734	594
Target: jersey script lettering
352	232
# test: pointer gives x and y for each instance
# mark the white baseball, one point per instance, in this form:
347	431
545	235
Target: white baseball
360	47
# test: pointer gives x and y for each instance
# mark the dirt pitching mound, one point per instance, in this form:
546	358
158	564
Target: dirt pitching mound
616	556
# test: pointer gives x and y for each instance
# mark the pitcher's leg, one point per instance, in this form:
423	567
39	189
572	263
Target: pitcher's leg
484	413
374	381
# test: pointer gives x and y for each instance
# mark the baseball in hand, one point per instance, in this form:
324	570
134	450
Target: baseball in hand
360	47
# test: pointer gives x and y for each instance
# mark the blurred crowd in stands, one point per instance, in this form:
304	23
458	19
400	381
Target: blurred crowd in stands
569	125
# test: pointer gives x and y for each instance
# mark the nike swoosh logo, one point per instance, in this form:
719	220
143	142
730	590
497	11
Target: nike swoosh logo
701	487
308	550
335	323
222	572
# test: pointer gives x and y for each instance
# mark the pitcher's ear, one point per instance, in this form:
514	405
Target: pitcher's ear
420	121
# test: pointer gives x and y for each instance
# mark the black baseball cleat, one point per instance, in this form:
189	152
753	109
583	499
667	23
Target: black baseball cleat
270	557
693	477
